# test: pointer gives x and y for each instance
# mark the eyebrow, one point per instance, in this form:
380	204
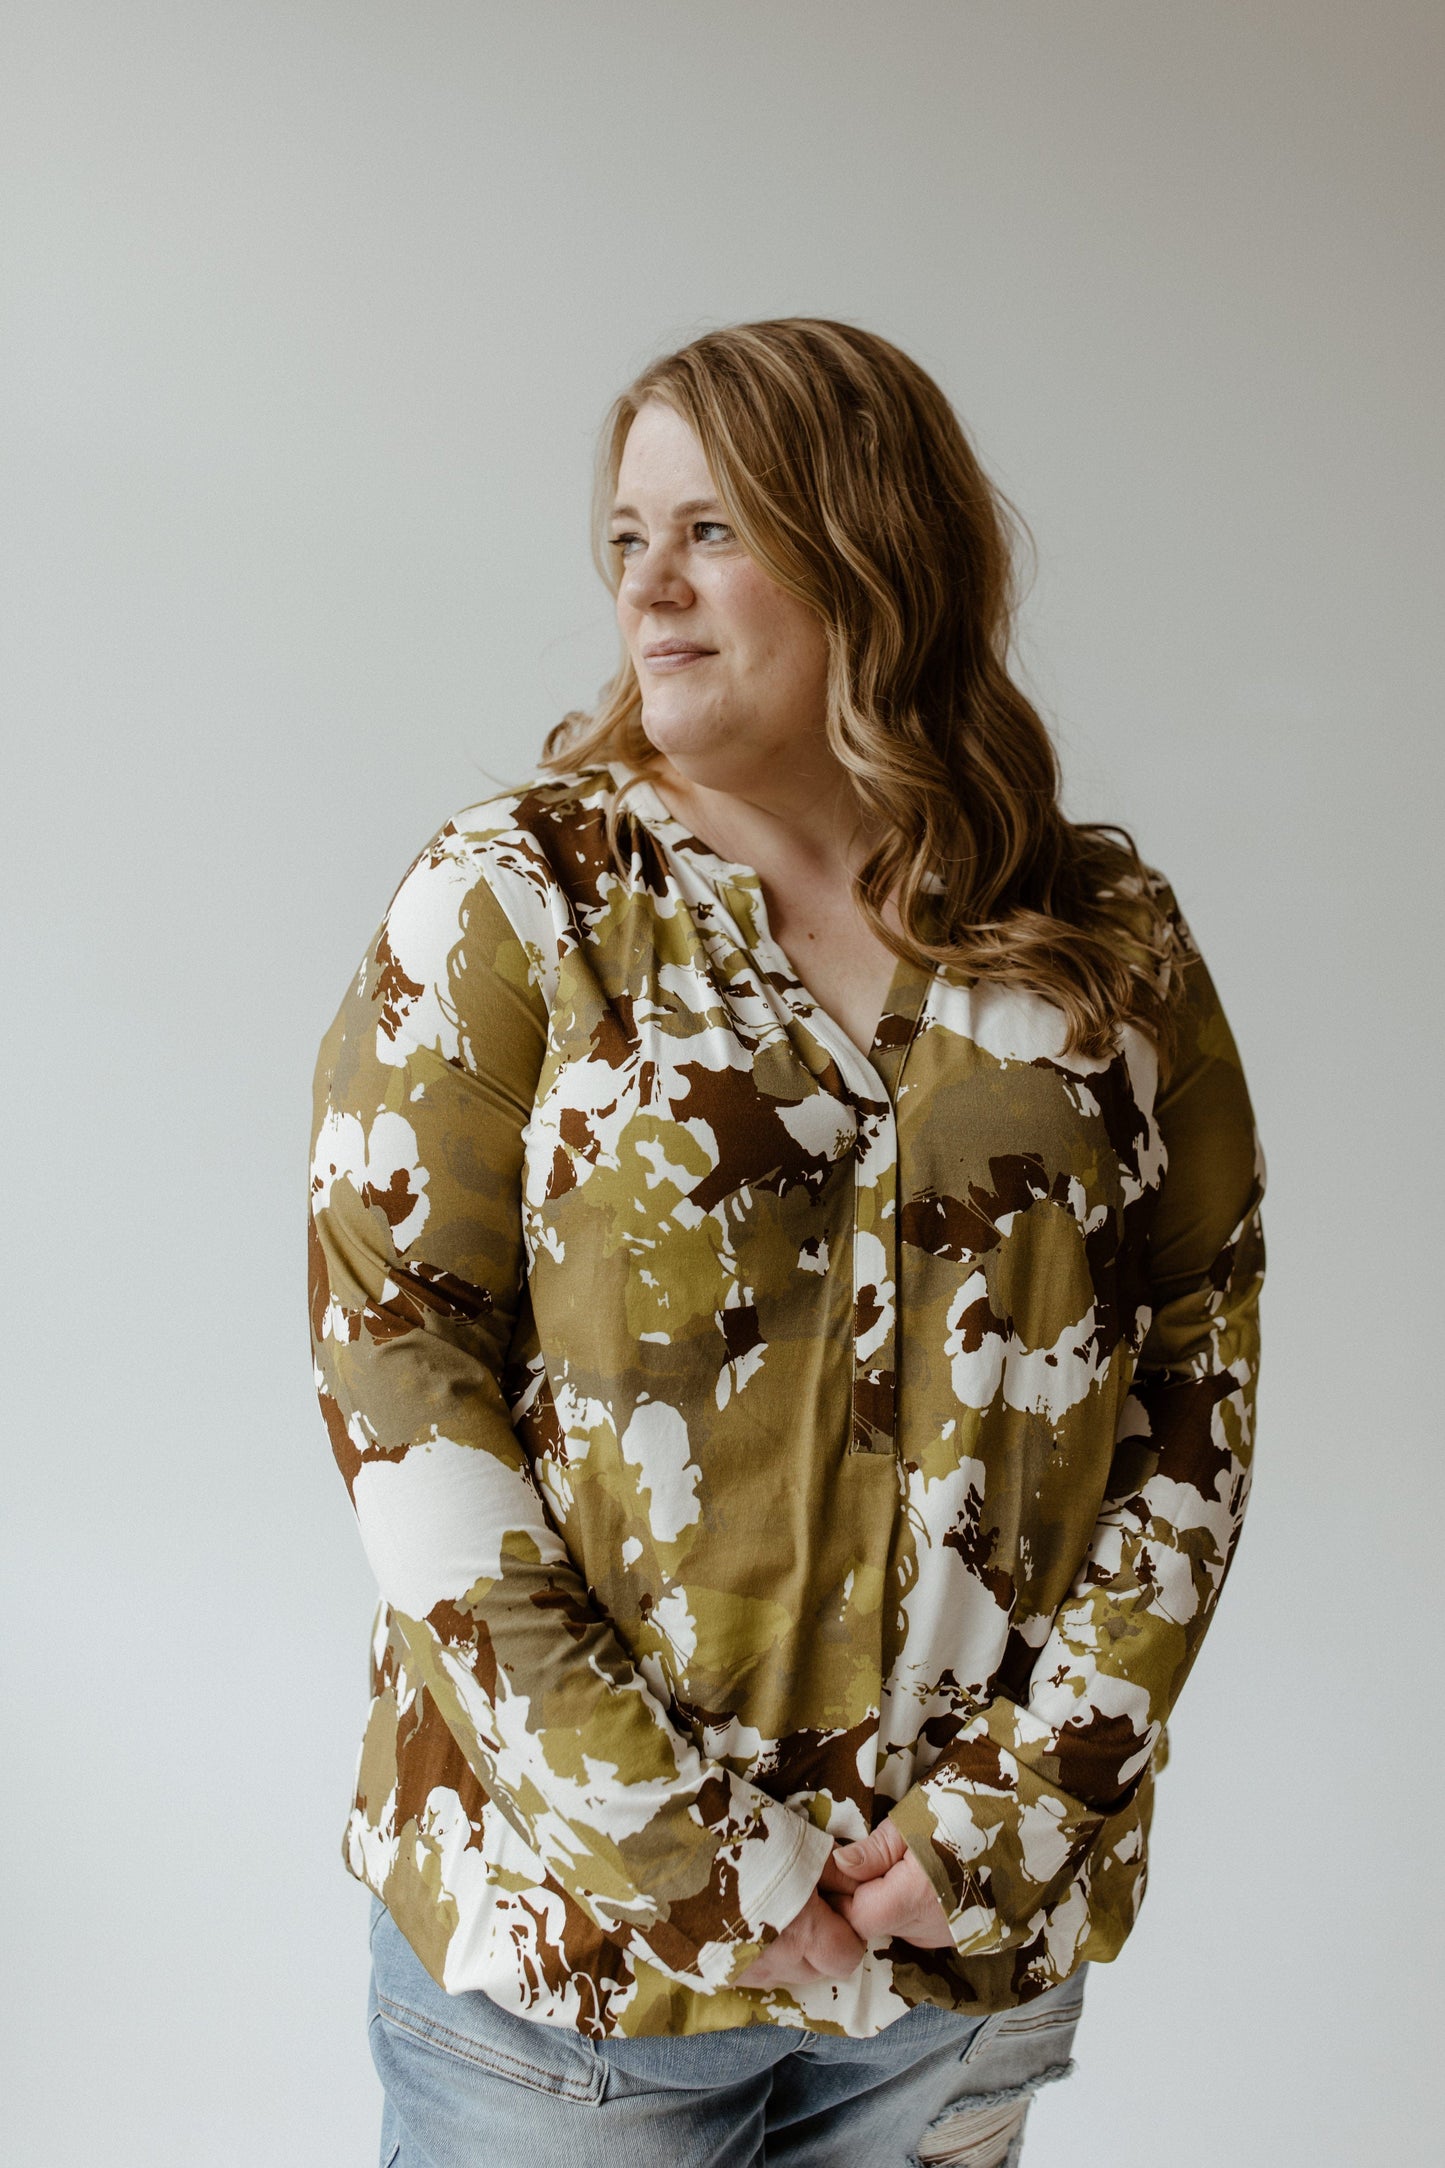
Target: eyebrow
679	511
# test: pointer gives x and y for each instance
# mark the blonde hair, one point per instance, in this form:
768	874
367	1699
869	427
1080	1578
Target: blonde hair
847	475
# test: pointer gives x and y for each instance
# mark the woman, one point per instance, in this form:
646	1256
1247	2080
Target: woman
786	1266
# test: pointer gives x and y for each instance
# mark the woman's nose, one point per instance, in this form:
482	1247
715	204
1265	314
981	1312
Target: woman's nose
655	576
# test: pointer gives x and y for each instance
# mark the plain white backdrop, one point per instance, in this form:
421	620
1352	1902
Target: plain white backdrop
311	311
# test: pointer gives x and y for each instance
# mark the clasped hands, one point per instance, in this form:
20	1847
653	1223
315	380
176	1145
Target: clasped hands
868	1891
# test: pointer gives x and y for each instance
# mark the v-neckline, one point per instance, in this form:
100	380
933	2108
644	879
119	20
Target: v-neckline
908	984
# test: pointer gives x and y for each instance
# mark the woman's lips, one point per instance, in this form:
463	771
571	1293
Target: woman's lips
668	659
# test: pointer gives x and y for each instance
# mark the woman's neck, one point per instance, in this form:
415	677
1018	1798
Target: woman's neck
781	826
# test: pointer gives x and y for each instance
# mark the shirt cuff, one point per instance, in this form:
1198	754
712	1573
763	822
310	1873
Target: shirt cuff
998	1842
761	1882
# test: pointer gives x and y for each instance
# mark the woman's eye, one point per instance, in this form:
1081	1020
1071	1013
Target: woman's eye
710	530
624	544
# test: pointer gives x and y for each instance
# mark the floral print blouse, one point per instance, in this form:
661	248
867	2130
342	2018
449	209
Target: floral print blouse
752	1439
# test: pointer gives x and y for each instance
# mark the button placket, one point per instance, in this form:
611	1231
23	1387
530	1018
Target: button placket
875	1280
871	1086
876	1348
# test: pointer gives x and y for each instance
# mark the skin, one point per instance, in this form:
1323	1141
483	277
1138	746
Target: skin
733	672
739	716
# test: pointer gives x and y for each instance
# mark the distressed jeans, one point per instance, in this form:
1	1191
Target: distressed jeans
468	2085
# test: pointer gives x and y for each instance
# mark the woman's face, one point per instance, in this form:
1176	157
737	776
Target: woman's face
733	669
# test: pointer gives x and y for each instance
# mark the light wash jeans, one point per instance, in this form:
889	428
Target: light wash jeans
470	2086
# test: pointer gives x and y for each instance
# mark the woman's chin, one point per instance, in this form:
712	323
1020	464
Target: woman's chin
682	735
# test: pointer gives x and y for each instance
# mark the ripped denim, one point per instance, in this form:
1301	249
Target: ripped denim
468	2085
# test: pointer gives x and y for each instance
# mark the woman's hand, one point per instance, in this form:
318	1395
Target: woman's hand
869	1891
878	1887
815	1945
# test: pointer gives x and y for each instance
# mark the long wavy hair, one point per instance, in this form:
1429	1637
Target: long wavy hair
847	475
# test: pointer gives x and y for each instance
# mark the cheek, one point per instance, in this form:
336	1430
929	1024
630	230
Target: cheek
771	627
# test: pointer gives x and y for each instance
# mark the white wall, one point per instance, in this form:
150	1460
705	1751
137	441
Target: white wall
312	309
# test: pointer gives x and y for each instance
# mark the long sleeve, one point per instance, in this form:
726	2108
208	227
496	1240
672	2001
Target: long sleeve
1006	1816
425	1086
